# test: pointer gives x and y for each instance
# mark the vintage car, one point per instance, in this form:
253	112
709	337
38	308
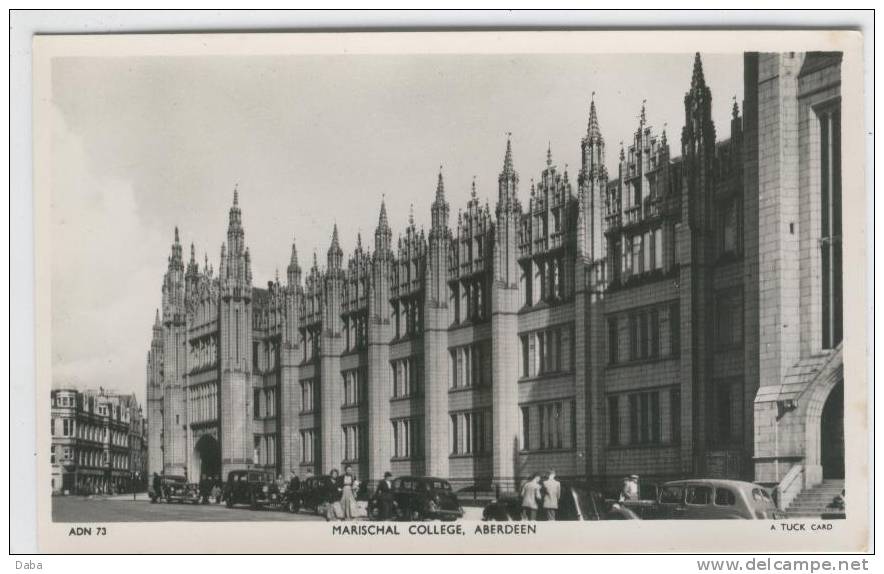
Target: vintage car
577	502
175	488
714	499
255	488
420	498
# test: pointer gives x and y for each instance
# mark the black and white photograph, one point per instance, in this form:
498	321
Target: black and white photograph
450	295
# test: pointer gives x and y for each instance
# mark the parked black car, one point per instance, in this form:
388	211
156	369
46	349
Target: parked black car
174	488
315	493
421	498
253	487
577	502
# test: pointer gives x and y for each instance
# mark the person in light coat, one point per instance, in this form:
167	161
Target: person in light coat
552	491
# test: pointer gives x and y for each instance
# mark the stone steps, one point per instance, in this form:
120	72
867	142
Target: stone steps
815	502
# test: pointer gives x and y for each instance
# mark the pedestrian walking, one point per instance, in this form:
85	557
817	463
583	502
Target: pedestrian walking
531	497
384	493
552	491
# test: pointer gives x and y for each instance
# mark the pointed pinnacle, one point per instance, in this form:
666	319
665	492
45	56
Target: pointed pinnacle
411	215
697	78
383	223
440	186
192	253
176	234
508	156
592	129
236	194
473	189
548	154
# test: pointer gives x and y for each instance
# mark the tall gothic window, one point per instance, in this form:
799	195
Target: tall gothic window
830	236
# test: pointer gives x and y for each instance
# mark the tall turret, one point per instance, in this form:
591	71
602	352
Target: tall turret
592	180
235	316
504	325
174	362
331	346
380	332
437	319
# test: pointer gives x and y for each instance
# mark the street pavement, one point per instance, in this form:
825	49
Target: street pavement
121	508
79	509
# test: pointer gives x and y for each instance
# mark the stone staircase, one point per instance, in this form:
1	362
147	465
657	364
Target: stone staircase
814	502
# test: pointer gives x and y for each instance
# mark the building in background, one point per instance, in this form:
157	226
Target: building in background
97	442
604	327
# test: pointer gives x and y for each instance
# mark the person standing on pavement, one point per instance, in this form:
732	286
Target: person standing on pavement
552	491
530	497
157	485
348	494
384	494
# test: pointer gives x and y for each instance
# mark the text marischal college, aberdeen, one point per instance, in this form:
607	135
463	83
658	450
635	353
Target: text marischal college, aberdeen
666	320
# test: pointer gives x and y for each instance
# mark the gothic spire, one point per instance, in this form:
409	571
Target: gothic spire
440	187
548	154
508	156
383	223
697	79
593	132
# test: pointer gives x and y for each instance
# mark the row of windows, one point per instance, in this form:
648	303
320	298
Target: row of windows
470	432
408	437
69	428
468	299
645	336
203	353
88	457
643	417
265	449
265	403
354	386
311	343
638	254
547	352
265	357
355	331
407	376
308	396
408	317
308	445
203	402
548	426
354	442
470	366
543	280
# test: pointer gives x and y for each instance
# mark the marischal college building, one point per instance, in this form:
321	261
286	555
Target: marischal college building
680	317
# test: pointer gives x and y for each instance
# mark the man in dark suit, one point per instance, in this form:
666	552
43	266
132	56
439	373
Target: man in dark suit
385	497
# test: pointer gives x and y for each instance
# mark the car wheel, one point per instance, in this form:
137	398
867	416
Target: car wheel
293	506
253	502
229	503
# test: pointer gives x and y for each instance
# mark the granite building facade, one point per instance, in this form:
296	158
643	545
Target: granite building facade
601	327
98	442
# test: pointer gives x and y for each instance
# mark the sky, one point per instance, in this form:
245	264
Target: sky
140	145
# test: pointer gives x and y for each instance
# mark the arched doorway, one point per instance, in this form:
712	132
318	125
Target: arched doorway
832	433
207	457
